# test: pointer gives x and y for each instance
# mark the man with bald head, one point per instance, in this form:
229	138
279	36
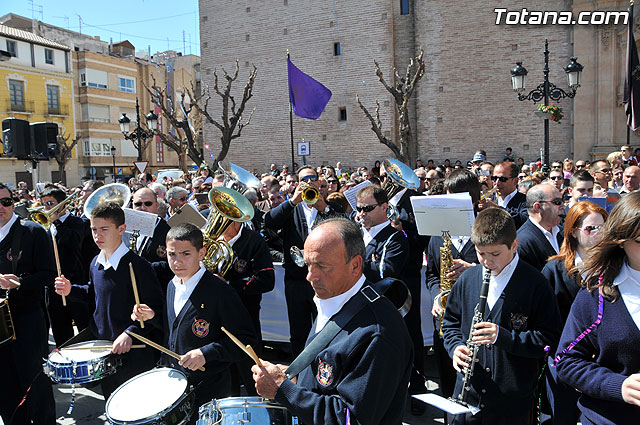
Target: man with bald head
361	376
153	249
540	236
630	179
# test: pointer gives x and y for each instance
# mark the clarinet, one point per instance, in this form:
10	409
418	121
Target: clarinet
477	318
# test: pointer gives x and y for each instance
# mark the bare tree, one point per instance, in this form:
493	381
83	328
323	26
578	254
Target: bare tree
63	153
231	124
184	127
402	89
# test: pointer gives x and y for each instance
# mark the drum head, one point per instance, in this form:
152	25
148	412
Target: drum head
80	355
146	395
234	410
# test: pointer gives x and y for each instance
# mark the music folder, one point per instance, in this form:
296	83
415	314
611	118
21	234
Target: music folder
187	214
446	404
435	214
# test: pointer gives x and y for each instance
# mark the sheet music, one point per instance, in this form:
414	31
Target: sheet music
350	194
142	221
437	213
445	404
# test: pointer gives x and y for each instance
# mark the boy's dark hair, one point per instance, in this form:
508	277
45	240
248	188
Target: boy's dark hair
109	211
55	193
461	181
186	232
493	226
377	192
580	176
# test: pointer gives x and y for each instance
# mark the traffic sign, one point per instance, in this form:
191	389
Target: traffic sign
141	165
92	171
304	148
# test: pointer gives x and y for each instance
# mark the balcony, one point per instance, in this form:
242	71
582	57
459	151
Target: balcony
62	110
26	107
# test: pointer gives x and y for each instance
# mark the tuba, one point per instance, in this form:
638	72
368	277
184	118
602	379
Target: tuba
239	179
42	217
114	192
227	205
399	176
446	261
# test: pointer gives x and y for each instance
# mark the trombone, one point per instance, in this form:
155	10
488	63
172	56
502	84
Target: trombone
43	218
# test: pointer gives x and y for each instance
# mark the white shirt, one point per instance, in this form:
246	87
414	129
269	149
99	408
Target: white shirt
310	214
499	282
53	229
185	289
459	242
368	235
396	198
4	230
327	308
552	236
115	258
628	283
503	202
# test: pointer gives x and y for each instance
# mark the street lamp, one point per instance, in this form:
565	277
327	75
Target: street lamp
113	155
139	134
546	90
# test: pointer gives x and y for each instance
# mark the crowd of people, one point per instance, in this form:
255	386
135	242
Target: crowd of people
556	247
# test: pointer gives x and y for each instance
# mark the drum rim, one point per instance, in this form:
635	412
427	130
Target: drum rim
159	414
253	401
79	344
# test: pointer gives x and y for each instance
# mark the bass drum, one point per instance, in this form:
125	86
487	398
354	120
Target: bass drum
158	396
244	410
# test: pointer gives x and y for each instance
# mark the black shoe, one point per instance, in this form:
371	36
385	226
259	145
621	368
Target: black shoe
417	407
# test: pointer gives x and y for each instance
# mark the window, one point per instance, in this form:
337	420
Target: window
53	99
343	113
11	48
48	56
159	151
93	78
97	147
126	84
404	7
16	94
336	49
95	113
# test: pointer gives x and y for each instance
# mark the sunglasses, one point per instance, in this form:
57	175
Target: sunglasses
557	201
556	178
6	202
366	208
309	178
590	230
503	179
580	165
147	203
332	181
604	170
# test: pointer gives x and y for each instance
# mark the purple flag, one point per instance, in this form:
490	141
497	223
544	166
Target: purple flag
307	96
631	98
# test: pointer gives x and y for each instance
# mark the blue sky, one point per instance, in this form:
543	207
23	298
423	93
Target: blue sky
159	23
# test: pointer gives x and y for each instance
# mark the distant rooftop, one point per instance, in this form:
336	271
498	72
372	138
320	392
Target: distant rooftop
30	37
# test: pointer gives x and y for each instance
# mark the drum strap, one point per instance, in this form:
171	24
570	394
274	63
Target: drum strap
367	294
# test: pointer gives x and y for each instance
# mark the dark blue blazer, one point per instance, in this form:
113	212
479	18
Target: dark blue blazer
432	273
533	247
154	250
565	287
386	255
417	243
517	208
69	236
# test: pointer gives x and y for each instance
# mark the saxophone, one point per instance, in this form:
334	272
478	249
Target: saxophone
477	318
133	241
446	261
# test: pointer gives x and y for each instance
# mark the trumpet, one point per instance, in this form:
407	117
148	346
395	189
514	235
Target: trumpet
310	194
297	255
489	193
42	217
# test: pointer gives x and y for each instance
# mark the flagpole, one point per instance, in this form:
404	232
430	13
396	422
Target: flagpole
293	168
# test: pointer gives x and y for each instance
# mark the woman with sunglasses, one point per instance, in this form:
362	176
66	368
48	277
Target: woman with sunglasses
581	232
333	185
599	351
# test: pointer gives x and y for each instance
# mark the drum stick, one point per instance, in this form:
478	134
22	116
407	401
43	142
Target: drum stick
246	348
135	291
55	251
100	347
157	346
15	282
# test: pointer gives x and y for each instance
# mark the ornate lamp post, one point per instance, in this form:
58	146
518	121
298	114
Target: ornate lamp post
113	155
139	134
546	90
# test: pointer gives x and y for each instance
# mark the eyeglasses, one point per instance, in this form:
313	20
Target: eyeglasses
309	178
6	202
557	201
556	178
147	203
503	179
423	178
590	230
580	165
184	198
366	208
49	203
604	170
332	181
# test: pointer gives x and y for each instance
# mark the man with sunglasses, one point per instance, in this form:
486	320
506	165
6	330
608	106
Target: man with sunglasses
177	197
26	266
602	173
69	232
540	236
581	164
296	219
505	180
556	177
153	249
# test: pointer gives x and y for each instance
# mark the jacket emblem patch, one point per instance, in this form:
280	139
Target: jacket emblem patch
161	251
518	321
200	328
10	256
325	373
240	265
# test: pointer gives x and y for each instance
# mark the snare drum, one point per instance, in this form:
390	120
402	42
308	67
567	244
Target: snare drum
81	365
7	331
244	410
159	396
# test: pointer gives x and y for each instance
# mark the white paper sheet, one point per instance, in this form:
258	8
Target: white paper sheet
350	194
142	221
437	213
443	403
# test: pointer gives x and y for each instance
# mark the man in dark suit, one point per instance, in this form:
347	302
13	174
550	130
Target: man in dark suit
153	249
386	248
69	232
505	179
296	218
26	265
540	236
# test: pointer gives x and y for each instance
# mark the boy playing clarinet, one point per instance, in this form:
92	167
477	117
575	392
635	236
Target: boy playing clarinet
521	319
